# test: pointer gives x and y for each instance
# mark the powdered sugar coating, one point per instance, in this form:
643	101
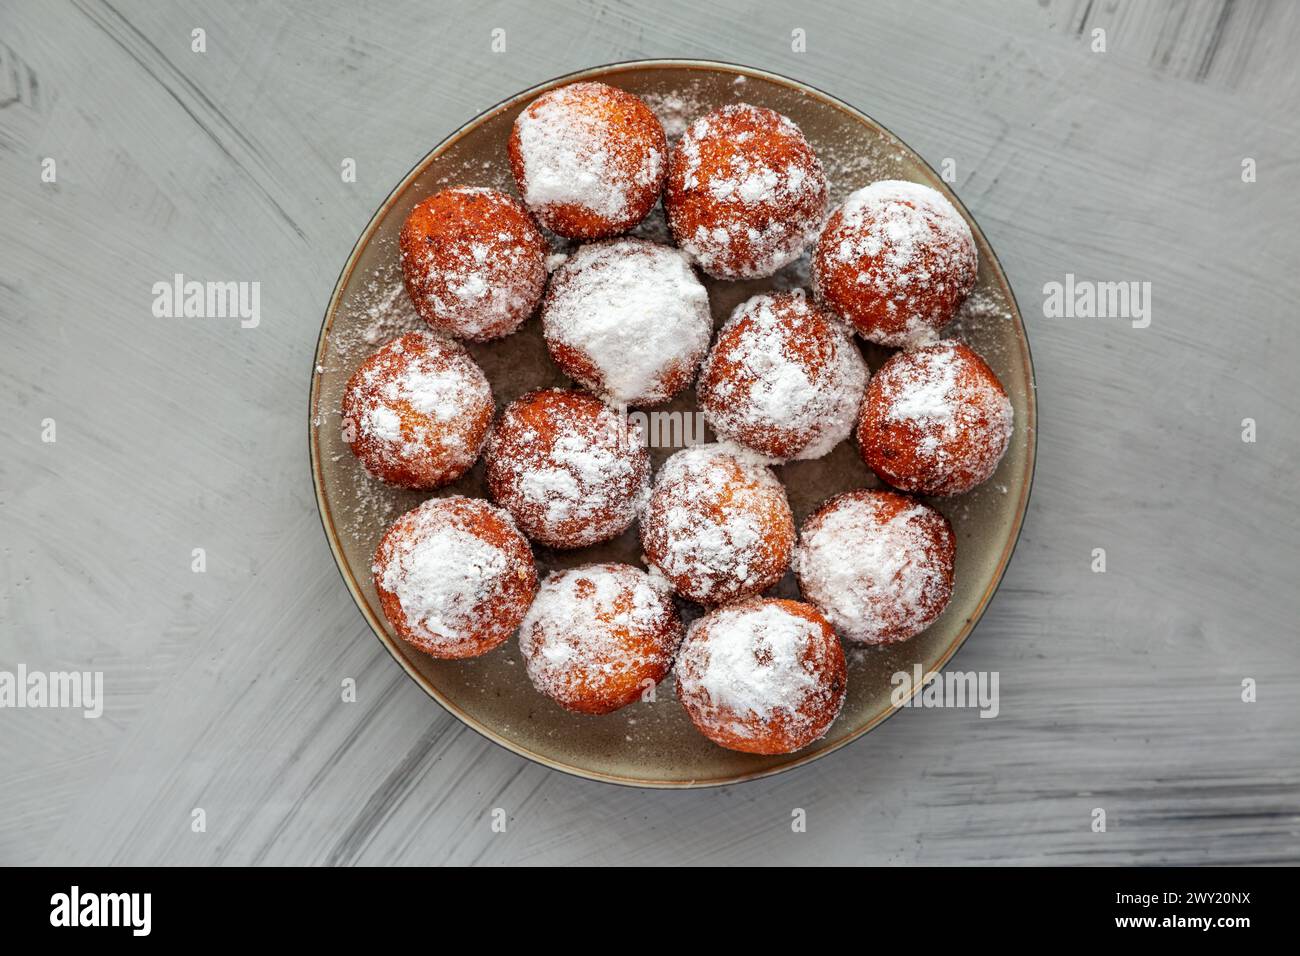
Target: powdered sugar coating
762	676
589	159
473	262
569	468
718	525
454	576
878	564
416	412
628	319
597	636
896	260
936	420
745	192
783	378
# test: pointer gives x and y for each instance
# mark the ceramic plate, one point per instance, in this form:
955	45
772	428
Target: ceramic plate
654	743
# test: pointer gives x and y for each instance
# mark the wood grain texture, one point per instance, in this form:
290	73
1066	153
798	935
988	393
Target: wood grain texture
1119	690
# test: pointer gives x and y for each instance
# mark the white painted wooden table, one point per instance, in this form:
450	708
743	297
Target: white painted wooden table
1119	691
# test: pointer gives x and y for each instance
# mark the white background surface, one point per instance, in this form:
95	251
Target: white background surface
1118	690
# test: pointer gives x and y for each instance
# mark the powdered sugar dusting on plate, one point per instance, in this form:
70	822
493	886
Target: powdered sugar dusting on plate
675	109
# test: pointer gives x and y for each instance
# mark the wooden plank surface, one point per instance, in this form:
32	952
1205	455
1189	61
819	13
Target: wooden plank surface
1119	691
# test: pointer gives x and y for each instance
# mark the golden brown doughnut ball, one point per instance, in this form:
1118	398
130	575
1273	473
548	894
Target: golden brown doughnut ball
877	564
628	319
473	262
416	412
597	637
570	469
589	159
784	378
896	260
936	420
764	676
745	192
455	577
718	525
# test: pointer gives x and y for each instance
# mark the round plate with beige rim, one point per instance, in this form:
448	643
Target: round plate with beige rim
653	743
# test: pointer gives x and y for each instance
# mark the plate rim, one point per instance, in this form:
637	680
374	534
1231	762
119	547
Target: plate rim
325	514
